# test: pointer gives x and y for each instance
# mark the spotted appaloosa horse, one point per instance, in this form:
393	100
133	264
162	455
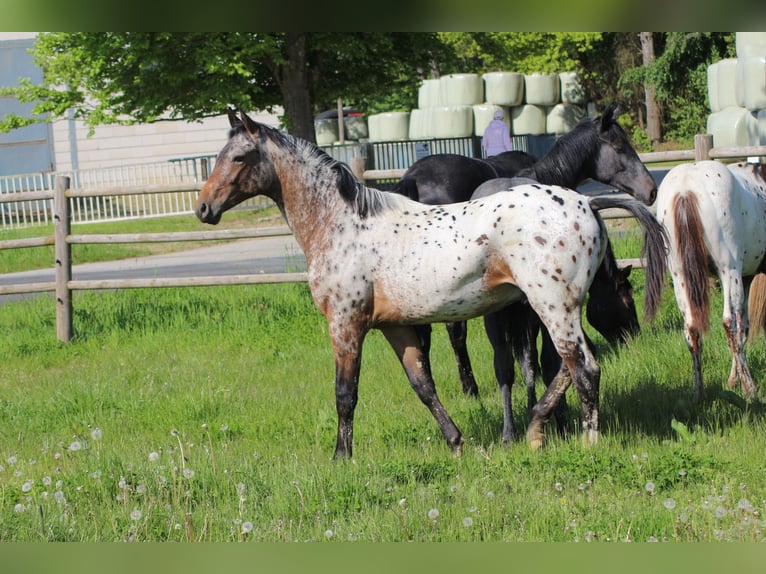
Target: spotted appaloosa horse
380	260
715	217
596	148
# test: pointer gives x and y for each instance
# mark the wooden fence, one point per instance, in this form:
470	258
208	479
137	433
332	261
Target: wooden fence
63	285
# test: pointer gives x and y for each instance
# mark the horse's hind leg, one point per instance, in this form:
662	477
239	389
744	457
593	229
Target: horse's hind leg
348	359
735	324
497	326
458	334
406	343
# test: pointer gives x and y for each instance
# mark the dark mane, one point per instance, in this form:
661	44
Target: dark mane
365	201
570	150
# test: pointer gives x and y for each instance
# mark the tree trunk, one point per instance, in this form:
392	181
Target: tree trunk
653	127
293	78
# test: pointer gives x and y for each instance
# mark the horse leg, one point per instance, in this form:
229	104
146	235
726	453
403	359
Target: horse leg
579	366
524	326
348	361
407	345
458	333
736	326
551	365
497	326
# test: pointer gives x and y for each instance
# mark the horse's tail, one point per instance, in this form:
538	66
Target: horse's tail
694	257
408	187
756	305
654	250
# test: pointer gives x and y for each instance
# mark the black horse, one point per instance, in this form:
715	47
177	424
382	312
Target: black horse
598	149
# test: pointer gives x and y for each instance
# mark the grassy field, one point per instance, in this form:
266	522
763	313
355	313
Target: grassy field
208	414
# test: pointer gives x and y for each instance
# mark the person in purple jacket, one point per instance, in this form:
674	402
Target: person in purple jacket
497	136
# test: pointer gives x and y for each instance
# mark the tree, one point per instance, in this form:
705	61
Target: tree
128	77
653	127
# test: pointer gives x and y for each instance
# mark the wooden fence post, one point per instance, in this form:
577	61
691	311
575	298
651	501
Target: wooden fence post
63	250
702	145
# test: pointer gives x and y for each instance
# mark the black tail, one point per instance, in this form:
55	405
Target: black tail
654	250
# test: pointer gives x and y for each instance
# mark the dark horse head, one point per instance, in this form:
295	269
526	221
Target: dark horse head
611	309
598	149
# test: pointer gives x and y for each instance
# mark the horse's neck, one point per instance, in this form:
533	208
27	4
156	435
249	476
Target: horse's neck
564	165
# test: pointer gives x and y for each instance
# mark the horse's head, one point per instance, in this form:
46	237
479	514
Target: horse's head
611	309
618	163
242	170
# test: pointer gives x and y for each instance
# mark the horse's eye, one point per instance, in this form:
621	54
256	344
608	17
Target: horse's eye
238	159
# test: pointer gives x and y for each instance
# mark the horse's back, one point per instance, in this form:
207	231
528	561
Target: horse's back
444	178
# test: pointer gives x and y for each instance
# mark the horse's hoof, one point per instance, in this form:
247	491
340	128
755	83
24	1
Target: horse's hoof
536	444
457	450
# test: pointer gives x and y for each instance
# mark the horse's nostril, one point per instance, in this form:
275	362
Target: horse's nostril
202	208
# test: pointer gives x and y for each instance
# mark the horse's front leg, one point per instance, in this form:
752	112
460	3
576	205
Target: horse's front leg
407	345
458	334
347	348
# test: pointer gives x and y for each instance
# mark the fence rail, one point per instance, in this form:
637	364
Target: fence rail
63	196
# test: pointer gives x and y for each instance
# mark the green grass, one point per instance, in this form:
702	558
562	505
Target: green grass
209	414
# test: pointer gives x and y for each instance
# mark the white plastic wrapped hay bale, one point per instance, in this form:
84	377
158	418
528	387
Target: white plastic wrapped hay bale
572	90
528	119
542	89
750	44
733	127
326	131
417	128
484	113
504	88
751	82
760	117
722	85
389	126
462	90
355	127
562	118
429	94
449	122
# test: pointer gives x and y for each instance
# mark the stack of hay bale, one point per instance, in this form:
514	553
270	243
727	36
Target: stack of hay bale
461	105
737	94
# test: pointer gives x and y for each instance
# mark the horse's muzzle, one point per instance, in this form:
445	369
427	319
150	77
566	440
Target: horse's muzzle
206	214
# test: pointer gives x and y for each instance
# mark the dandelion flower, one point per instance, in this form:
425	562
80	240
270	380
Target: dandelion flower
136	515
247	527
96	434
649	487
154	456
468	522
669	503
433	514
75	446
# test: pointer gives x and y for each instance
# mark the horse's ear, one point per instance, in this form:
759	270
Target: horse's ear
625	272
233	119
610	115
250	125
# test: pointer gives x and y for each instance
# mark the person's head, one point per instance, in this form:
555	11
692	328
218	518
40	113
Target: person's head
498	114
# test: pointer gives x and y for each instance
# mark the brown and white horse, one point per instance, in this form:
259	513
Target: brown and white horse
380	260
715	217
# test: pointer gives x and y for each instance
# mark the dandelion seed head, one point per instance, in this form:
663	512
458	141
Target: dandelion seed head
745	504
669	503
12	460
47	480
468	522
136	515
719	512
96	434
27	486
154	456
247	527
174	432
649	487
59	497
559	486
188	473
177	526
19	508
652	539
328	533
75	446
433	514
141	489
